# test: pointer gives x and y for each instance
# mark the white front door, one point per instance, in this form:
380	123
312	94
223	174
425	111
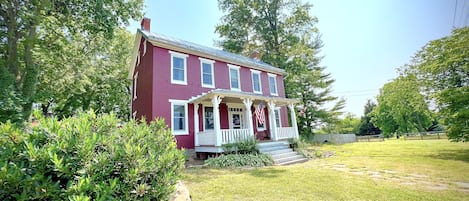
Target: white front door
236	120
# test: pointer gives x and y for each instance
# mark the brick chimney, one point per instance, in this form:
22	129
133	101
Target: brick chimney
145	24
255	55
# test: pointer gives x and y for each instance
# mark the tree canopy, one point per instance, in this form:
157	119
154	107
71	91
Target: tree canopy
442	68
366	127
32	30
285	35
401	107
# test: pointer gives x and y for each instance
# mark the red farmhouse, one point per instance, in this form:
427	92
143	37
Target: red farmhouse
208	97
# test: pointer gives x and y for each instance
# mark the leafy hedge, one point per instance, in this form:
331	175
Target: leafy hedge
88	157
240	160
245	146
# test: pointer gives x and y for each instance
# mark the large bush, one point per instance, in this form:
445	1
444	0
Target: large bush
241	146
88	157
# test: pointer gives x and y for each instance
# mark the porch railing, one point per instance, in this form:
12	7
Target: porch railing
233	135
207	138
285	132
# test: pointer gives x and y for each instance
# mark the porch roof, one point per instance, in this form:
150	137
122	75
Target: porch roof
237	96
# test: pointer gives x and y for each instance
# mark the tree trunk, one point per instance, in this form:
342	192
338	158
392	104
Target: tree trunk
31	71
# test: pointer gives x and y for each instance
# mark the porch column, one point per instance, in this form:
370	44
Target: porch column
247	104
196	124
293	119
216	100
272	122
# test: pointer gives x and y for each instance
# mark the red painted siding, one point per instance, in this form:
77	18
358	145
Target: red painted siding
143	104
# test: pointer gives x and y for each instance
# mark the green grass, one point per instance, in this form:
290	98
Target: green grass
407	170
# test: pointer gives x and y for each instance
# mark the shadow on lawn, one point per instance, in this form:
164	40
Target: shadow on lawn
267	172
460	155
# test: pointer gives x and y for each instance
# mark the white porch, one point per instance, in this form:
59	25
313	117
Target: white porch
211	140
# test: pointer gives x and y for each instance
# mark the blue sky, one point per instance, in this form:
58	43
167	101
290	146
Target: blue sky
364	40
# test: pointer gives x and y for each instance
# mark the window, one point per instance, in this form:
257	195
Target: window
135	86
256	81
179	118
178	68
278	120
273	84
208	118
260	127
235	82
207	77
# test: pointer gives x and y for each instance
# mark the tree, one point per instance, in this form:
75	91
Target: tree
347	125
27	25
366	127
442	68
94	76
401	108
285	35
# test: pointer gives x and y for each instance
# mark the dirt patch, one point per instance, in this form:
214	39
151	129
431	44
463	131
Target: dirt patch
462	184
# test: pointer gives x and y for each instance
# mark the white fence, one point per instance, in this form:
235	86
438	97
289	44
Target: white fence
335	138
285	132
233	135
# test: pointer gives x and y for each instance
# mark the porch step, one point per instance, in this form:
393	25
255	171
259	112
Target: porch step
281	153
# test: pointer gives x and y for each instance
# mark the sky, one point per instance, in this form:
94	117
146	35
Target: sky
364	40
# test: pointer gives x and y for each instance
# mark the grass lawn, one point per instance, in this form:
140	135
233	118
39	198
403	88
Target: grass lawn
389	170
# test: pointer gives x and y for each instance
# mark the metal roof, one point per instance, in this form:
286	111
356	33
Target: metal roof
240	94
210	52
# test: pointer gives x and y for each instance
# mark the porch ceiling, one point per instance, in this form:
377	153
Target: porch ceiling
238	96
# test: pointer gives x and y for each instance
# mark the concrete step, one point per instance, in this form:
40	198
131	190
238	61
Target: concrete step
301	160
283	155
273	148
279	151
289	158
270	144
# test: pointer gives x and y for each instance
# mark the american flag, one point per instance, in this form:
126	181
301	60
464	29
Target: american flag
260	115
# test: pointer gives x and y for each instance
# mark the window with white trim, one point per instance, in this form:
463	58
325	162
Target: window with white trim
178	68
273	84
208	118
235	82
256	81
278	119
135	86
179	120
206	72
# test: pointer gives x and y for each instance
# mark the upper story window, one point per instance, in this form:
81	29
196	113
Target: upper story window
235	82
178	68
256	81
273	84
206	72
179	123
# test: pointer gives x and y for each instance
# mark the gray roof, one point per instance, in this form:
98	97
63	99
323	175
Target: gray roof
213	52
240	94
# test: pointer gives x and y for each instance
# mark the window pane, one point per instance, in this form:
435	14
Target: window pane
207	79
234	78
179	117
255	82
208	122
273	85
207	68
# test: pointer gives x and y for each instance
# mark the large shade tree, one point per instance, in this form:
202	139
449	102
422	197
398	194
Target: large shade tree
442	68
285	34
27	27
401	108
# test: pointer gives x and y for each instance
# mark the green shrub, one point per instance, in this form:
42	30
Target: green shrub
88	158
239	160
245	146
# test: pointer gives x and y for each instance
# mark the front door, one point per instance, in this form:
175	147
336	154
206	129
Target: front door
236	120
